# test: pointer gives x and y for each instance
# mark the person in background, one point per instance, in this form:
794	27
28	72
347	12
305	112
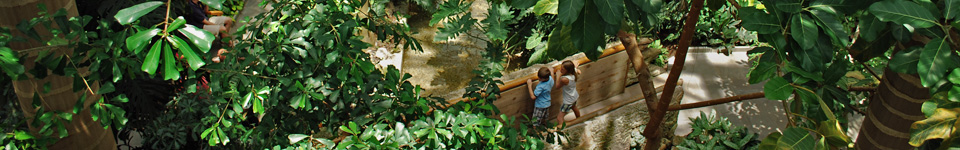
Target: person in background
198	17
541	95
567	81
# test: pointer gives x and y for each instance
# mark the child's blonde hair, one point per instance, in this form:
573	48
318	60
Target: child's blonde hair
570	68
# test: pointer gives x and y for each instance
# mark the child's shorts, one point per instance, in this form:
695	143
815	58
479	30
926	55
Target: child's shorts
567	107
539	115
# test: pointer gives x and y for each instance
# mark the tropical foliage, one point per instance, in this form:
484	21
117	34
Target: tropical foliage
813	44
715	132
301	74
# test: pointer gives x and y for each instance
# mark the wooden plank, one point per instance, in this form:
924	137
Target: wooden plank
599	81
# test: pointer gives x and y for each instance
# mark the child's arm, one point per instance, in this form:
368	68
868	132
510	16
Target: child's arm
553	75
530	89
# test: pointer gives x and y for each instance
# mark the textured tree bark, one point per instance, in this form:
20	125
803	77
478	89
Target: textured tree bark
84	133
652	131
892	109
640	66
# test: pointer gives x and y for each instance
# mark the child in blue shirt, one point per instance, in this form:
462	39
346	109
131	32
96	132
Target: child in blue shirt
541	95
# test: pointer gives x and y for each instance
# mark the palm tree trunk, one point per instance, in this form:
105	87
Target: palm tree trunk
892	109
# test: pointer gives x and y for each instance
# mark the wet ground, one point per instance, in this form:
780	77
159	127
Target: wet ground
444	68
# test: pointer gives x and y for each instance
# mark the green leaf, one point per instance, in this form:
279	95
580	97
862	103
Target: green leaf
193	60
937	60
832	26
247	99
804	31
954	94
770	142
954	76
951	9
569	11
757	20
589	33
21	135
106	88
169	65
538	56
796	138
905	61
294	138
497	22
215	4
903	12
137	41
939	125
176	24
153	59
610	10
258	105
870	27
545	6
199	37
834	134
789	6
766	67
128	15
777	89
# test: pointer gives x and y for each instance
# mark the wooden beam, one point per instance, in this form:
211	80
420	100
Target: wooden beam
717	101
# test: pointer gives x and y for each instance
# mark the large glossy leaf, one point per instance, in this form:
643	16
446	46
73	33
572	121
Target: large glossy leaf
777	89
153	59
193	60
199	37
137	41
169	64
832	26
939	125
770	143
649	6
804	31
938	58
796	139
128	15
569	11
954	76
588	32
905	61
903	12
833	133
176	24
951	9
757	20
546	6
766	67
294	138
870	27
789	6
215	4
610	10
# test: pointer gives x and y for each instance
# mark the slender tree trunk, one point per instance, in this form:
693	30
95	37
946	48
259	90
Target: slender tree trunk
892	109
84	133
640	67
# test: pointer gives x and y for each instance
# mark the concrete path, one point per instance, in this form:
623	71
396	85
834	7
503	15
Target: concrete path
709	75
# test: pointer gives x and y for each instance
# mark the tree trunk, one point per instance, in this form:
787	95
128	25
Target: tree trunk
892	109
640	67
84	133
